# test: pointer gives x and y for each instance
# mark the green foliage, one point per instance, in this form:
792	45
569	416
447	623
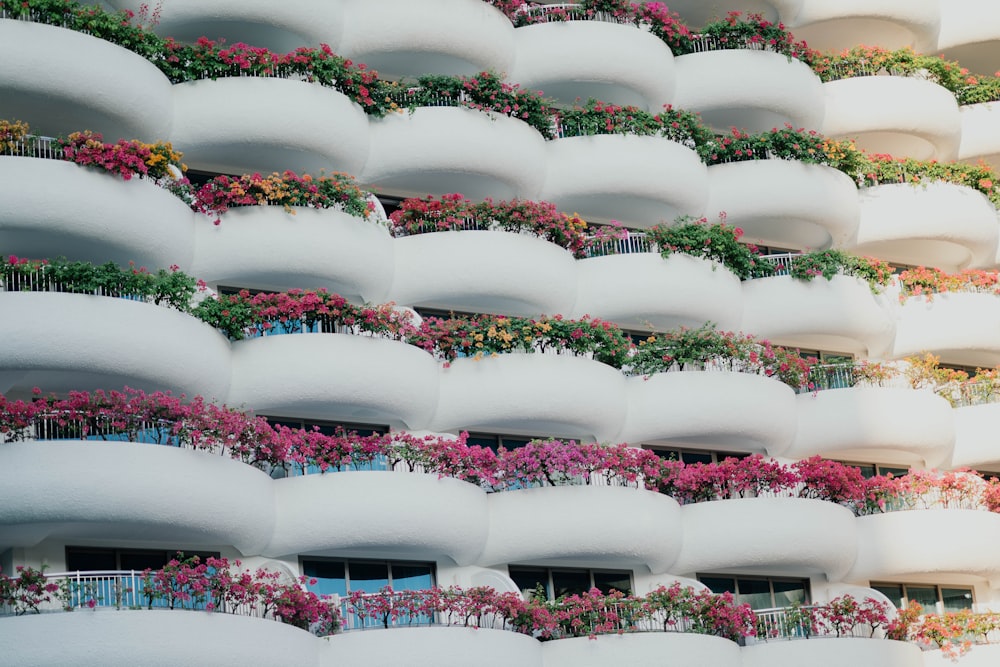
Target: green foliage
829	263
718	243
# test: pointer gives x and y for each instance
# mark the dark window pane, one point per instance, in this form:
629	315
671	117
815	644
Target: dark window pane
513	443
892	591
788	593
570	582
719	584
90	560
867	471
927	596
956	599
608	581
895	472
491	441
529	578
696	457
411	577
368	577
755	592
667	454
140	560
329	576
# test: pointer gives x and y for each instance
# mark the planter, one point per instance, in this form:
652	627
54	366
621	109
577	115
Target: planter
833	652
891	24
126	342
290	127
643	650
59	209
438	150
785	203
874	424
637	528
639	181
896	544
117	638
583	60
840	314
961	328
748	89
542	394
258	22
402	38
713	408
938	224
640	290
432	647
901	116
980	135
494	272
794	536
267	247
335	376
403	516
66	81
156	493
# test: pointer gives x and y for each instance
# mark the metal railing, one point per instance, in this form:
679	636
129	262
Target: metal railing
31	145
405	97
565	11
966	394
850	70
706	43
782	262
802	623
39	280
117	428
631	242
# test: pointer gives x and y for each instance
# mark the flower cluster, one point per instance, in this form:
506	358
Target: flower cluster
927	282
785	143
829	263
171	288
956	386
288	189
126	158
750	31
844	616
954	632
884	169
715	242
597	117
27	591
587	614
12	134
453	212
485	335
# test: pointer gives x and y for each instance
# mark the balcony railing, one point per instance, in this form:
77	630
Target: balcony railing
802	623
563	11
782	262
706	43
631	242
34	146
850	70
41	280
966	394
406	97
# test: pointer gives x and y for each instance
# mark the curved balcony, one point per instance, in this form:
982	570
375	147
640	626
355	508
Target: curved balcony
891	24
402	38
975	437
54	208
931	224
639	181
335	376
438	150
116	638
283	124
981	655
838	314
710	408
896	544
435	647
532	393
571	60
126	342
980	135
785	203
961	328
256	22
874	424
159	493
970	34
831	652
901	116
750	90
642	650
637	528
266	247
494	272
321	515
787	535
65	81
640	290
699	12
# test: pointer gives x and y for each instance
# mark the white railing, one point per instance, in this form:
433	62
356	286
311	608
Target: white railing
802	623
966	394
705	43
34	146
57	426
564	11
848	70
405	97
631	242
782	262
40	280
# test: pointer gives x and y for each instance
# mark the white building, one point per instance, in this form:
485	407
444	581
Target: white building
114	506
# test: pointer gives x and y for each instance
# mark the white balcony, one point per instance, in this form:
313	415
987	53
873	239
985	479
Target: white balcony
643	650
970	34
975	437
980	133
636	528
748	89
961	328
246	124
581	60
785	202
891	24
898	115
433	647
833	652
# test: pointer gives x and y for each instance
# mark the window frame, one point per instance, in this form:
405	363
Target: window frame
389	562
806	585
939	604
550	584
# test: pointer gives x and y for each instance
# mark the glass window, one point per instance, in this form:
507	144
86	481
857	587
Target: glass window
956	599
928	595
760	592
559	582
528	579
90	559
340	577
690	456
330	576
755	592
613	581
570	582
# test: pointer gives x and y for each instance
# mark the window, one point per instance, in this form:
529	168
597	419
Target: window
328	427
760	592
95	559
869	470
950	598
559	582
689	456
495	441
340	577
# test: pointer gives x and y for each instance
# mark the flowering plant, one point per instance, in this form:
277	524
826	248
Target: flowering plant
750	31
12	134
875	169
718	243
453	212
785	143
28	591
597	117
873	60
829	263
929	281
126	158
288	189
